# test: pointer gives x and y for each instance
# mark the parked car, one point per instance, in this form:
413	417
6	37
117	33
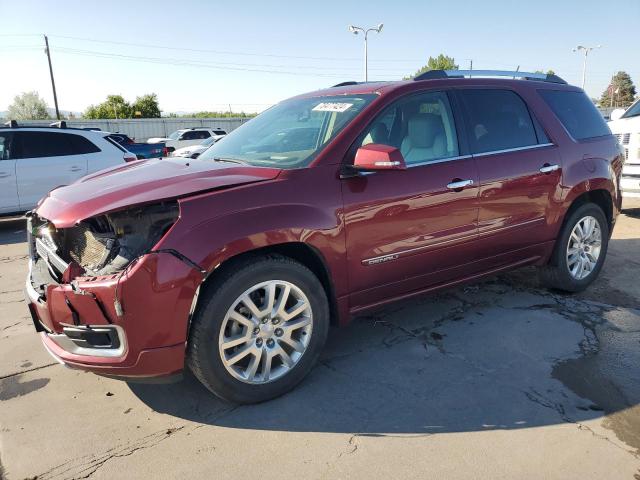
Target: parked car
140	150
194	151
35	160
236	263
625	125
187	136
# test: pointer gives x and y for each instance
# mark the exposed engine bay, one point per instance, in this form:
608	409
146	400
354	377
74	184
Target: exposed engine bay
105	244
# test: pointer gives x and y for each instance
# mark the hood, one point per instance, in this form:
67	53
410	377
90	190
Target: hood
141	182
191	148
157	139
625	125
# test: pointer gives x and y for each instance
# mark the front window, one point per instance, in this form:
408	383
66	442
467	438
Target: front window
291	134
633	111
175	135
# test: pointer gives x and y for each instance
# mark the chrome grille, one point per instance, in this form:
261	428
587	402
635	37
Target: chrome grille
625	138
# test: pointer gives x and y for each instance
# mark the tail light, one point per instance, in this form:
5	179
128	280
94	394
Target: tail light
165	152
129	157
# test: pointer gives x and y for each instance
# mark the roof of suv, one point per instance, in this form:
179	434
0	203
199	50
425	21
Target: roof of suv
445	78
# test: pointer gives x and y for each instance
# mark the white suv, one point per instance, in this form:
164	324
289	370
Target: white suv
626	127
187	136
35	160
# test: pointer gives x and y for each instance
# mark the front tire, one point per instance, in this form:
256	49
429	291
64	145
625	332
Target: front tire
258	330
579	252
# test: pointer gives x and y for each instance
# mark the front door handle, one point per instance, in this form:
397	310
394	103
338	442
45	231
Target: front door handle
546	168
459	184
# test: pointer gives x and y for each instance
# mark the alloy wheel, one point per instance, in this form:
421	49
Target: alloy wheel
583	249
265	332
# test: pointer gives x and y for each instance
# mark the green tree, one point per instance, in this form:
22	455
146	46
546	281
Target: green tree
147	105
548	72
28	106
622	89
441	62
114	107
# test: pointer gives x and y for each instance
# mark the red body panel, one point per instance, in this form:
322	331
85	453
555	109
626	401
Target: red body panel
381	236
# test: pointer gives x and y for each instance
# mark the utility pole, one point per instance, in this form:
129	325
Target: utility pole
355	30
53	83
471	64
586	51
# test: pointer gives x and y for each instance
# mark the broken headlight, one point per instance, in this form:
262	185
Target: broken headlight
106	244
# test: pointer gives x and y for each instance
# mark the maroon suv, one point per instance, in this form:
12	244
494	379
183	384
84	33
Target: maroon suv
324	206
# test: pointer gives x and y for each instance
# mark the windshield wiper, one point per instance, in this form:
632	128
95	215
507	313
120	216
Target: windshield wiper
230	160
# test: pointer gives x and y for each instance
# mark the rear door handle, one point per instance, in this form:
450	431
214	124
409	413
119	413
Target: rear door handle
75	169
459	184
4	174
546	168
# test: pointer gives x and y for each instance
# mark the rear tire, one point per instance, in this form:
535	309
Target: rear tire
244	313
579	252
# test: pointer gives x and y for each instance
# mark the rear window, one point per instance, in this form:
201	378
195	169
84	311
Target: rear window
577	113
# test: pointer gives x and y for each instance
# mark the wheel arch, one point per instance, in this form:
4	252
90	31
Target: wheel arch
301	252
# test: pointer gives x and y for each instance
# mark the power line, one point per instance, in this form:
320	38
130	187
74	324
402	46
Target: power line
199	64
220	52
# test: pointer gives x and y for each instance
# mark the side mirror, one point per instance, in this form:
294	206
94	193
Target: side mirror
375	156
617	114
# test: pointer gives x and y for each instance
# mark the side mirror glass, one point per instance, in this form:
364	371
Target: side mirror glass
617	114
375	156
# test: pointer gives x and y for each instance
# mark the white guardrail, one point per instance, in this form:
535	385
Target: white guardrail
141	129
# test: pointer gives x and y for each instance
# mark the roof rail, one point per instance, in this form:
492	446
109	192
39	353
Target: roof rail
59	124
11	124
435	74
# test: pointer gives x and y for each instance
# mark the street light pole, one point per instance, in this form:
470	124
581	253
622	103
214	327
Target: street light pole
586	51
355	30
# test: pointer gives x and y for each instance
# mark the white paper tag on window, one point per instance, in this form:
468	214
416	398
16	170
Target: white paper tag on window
332	107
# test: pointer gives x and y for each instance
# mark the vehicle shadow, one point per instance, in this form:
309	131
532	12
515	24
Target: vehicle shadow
503	354
12	230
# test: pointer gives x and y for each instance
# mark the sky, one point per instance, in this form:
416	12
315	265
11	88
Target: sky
206	55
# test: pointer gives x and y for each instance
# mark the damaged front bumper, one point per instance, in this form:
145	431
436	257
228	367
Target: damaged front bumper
130	324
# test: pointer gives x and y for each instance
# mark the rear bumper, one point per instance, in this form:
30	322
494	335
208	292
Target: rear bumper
81	328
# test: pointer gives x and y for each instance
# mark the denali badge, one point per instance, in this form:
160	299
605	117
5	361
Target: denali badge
375	261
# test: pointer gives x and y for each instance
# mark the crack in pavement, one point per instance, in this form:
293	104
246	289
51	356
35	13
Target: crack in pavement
536	397
87	468
29	370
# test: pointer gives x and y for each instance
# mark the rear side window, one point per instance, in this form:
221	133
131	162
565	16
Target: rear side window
82	145
497	120
50	144
577	113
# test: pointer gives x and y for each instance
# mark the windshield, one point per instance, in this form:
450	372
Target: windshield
291	134
208	141
633	111
174	135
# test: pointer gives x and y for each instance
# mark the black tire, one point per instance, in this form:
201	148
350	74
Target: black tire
556	273
203	356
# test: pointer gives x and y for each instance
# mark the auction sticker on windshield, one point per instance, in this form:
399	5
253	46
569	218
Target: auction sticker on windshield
332	107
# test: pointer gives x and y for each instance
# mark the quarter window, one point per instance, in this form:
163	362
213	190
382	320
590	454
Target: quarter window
497	120
577	113
421	126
